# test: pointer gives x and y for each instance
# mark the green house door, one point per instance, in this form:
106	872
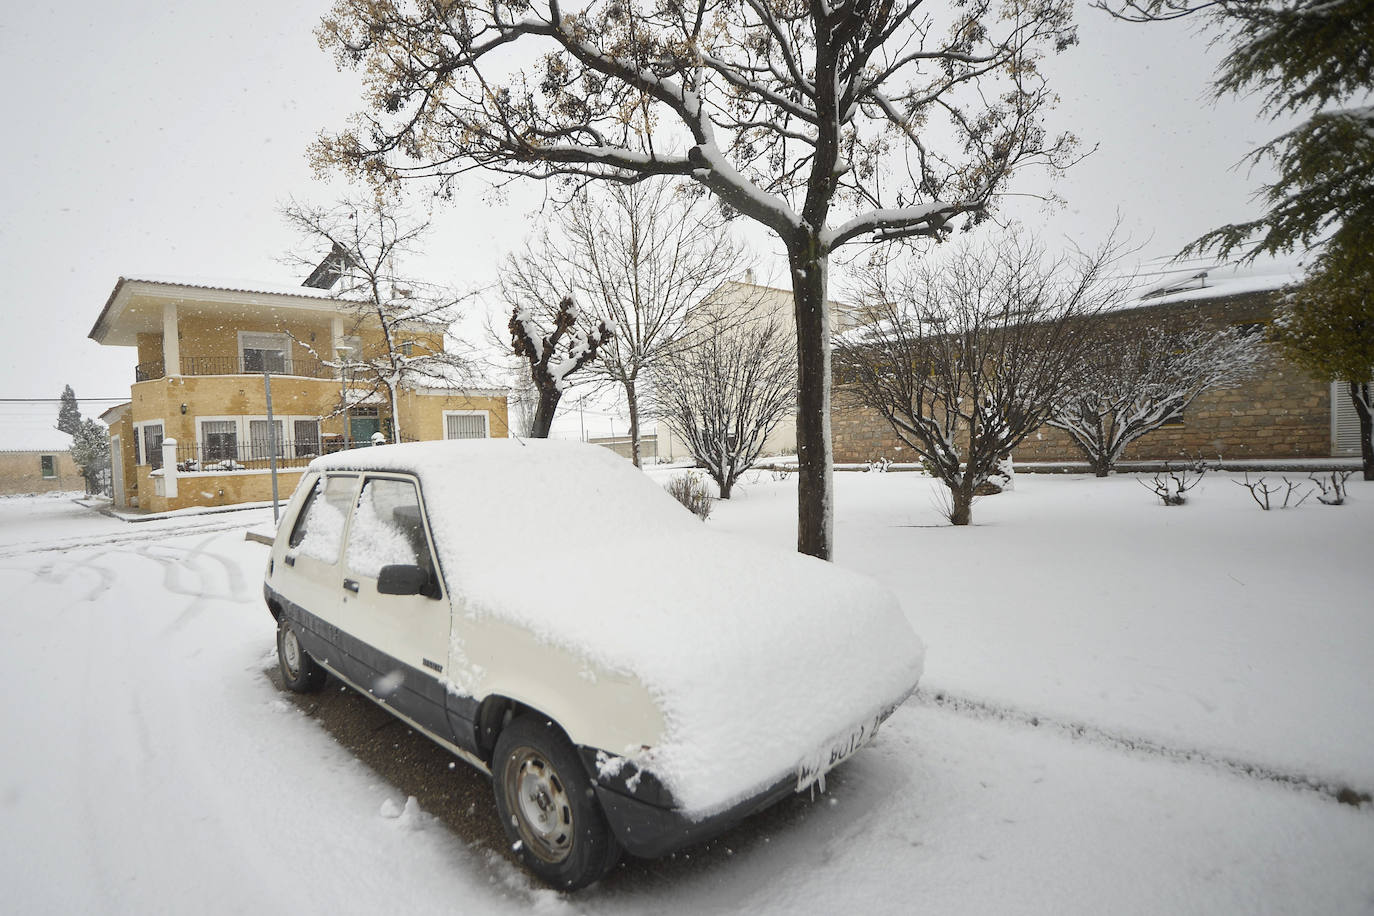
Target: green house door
360	429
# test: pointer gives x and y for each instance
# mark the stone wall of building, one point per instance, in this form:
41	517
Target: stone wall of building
1279	413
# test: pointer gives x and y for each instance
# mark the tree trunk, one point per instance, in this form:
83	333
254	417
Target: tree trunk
395	417
543	414
1360	394
632	398
962	511
815	472
725	484
1102	465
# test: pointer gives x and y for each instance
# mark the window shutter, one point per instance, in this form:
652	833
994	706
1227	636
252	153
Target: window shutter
1345	422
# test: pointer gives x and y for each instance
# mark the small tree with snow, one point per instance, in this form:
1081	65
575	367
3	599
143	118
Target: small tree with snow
366	237
91	451
1134	380
726	390
551	370
967	357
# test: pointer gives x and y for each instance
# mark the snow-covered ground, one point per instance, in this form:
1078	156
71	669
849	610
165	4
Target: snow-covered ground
150	766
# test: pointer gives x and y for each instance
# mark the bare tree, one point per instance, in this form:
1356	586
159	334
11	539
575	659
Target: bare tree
643	256
549	369
1135	379
725	391
365	237
826	122
966	357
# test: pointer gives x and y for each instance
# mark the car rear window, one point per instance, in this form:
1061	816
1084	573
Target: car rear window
319	528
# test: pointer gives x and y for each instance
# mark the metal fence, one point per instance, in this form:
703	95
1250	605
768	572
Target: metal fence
256	454
237	365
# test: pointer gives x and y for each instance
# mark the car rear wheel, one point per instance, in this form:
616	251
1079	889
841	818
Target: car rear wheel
548	805
300	672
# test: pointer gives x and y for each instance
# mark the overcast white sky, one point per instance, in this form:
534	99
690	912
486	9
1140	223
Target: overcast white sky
160	138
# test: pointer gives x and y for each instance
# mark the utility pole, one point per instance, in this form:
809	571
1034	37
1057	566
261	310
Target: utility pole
271	444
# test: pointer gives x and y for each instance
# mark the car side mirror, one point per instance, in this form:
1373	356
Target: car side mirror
403	579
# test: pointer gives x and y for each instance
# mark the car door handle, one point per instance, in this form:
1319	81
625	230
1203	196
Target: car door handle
290	560
351	585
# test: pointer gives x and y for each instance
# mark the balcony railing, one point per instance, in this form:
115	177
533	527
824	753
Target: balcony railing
236	365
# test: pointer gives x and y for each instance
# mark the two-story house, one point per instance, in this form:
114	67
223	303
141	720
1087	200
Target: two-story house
207	356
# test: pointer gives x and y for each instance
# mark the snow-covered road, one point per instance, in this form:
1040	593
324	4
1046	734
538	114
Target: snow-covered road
150	767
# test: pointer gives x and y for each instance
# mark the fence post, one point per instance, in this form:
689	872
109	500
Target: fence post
169	468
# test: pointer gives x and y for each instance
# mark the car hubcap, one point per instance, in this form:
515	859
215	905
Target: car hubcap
291	651
542	807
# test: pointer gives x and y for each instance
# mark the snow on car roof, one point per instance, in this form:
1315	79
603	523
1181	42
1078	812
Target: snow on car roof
752	653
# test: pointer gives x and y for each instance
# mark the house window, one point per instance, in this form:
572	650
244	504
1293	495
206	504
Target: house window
219	440
148	444
307	436
407	348
260	440
264	352
49	465
465	424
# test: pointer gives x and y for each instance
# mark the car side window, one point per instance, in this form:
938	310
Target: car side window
318	532
387	528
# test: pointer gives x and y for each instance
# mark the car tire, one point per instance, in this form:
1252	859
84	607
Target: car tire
299	671
548	805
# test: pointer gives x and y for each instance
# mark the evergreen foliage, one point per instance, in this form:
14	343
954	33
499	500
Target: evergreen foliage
69	414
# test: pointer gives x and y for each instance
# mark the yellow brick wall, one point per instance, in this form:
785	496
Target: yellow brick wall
22	472
225	489
422	415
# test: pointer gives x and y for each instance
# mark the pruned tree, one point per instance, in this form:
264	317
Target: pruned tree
69	414
826	122
643	256
1133	380
1307	57
549	369
91	451
966	357
365	238
726	390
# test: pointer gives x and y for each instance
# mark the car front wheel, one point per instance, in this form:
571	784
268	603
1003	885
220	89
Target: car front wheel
548	805
300	672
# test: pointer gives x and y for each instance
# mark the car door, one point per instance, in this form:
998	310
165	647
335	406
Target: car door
408	635
313	580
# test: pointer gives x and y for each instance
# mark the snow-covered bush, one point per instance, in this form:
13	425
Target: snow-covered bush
691	491
879	465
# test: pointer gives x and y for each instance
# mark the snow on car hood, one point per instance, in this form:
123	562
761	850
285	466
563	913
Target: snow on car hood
757	657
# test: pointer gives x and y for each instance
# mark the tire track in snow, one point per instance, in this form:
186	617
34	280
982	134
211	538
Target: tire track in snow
114	540
1081	731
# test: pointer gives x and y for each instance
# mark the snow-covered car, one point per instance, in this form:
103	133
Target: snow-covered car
632	680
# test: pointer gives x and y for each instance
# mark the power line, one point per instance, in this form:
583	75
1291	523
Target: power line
58	400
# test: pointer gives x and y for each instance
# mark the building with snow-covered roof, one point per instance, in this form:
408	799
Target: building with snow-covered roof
205	350
1279	415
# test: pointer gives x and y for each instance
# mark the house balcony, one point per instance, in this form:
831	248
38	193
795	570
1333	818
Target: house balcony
237	365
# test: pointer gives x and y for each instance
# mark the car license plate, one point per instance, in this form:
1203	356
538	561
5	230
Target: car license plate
812	769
